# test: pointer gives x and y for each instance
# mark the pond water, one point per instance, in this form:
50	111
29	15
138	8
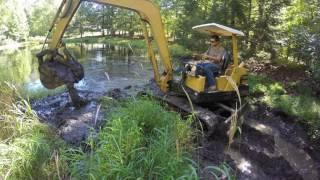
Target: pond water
106	67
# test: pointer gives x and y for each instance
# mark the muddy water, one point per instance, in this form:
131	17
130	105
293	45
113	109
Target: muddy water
106	67
112	71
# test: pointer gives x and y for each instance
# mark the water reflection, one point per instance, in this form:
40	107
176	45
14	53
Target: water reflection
106	67
17	66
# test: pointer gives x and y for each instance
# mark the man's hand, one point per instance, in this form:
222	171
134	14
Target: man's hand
215	59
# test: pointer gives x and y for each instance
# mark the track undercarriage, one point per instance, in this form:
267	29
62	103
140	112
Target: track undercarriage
210	108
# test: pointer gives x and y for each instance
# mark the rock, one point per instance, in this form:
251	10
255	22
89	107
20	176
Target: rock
74	132
128	87
117	94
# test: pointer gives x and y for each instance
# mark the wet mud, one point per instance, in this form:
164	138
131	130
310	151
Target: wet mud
75	124
272	145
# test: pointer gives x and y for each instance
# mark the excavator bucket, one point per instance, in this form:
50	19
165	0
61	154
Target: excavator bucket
57	70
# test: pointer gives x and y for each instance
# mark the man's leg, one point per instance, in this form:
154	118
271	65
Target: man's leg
210	69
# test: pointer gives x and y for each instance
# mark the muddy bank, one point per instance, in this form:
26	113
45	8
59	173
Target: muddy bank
272	145
74	124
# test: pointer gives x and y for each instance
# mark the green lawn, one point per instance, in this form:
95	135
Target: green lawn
303	105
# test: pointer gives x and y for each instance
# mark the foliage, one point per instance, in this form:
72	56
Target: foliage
26	146
302	25
17	66
177	50
224	171
41	16
13	20
302	105
285	29
134	43
141	141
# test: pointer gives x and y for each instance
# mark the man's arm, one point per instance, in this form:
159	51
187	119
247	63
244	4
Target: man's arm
215	59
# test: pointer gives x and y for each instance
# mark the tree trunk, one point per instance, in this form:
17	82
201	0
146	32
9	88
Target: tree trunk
248	23
103	21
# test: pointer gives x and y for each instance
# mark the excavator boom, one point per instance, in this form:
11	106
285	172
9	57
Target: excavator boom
149	14
192	86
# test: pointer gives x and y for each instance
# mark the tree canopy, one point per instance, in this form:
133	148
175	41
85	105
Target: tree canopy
284	29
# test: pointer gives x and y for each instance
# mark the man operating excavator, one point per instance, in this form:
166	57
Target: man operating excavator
214	56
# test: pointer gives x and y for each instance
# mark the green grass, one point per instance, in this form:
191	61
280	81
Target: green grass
41	93
26	145
303	105
177	51
141	141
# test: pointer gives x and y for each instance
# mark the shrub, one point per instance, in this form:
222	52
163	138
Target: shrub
26	145
141	141
303	105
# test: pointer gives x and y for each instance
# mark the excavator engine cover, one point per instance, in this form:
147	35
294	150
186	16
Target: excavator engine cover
56	70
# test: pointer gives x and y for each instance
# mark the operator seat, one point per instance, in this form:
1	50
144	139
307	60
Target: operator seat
226	60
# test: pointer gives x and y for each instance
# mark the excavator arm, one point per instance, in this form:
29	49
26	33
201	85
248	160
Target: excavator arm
148	13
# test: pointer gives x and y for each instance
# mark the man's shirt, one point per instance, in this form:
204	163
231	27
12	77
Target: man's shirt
215	51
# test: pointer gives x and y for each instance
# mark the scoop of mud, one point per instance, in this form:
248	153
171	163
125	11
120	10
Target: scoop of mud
74	124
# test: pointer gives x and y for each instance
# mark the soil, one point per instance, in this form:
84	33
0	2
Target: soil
271	146
74	124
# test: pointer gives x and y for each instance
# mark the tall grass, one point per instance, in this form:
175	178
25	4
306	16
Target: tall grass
303	105
141	141
26	145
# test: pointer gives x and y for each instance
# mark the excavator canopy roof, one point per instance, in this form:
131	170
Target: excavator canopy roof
218	29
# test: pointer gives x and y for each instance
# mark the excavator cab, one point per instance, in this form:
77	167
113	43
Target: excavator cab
230	81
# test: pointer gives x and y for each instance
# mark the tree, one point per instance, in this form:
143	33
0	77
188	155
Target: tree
41	16
14	24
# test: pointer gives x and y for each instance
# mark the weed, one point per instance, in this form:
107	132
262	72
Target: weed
141	140
224	171
26	144
177	50
303	105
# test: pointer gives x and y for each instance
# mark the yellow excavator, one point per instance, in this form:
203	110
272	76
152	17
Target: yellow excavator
229	81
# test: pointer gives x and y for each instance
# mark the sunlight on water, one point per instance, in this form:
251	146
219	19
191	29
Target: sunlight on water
106	67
